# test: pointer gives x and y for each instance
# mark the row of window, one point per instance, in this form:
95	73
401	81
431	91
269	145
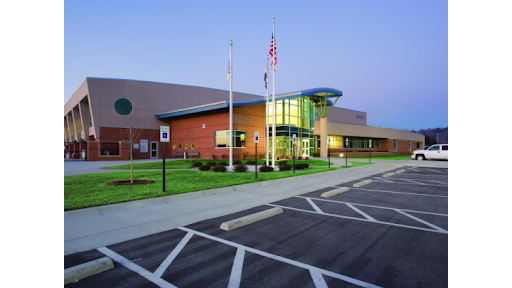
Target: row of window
179	146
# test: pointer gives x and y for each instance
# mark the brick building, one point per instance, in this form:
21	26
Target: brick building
98	117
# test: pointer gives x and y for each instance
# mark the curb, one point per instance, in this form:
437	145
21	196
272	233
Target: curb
87	269
249	219
362	183
334	192
389	174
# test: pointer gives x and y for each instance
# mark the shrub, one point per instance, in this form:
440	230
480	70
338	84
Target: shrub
306	158
197	164
223	163
299	158
224	157
285	167
240	168
266	168
301	166
214	157
205	167
250	162
211	163
282	163
245	155
236	162
219	168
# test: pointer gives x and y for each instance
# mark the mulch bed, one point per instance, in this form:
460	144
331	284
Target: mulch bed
127	182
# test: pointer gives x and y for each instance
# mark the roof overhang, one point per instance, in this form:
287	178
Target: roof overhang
317	95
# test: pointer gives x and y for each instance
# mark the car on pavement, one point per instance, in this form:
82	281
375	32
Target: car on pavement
437	151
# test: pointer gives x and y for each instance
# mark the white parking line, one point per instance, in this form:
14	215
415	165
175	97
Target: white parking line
386	180
425	175
360	212
438	182
135	268
398	192
413	169
282	259
409	180
236	271
422	221
161	269
414	184
434	170
314	206
373	206
318	279
360	219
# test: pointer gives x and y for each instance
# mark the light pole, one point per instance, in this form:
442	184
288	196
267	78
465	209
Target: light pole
329	151
346	152
370	151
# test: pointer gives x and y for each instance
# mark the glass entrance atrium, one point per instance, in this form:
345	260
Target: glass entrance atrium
293	116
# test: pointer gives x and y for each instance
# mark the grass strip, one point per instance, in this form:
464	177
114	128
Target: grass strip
91	190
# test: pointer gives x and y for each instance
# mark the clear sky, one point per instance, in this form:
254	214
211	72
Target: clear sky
390	58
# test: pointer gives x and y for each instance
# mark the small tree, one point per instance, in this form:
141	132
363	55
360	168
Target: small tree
134	126
190	136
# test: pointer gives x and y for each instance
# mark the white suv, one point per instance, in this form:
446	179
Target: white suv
438	151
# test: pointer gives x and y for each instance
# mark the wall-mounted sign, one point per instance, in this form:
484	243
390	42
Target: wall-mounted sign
135	145
256	137
143	146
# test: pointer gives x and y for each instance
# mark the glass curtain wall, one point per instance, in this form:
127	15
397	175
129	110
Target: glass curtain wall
293	116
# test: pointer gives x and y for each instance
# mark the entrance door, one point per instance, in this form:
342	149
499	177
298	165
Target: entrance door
154	150
305	148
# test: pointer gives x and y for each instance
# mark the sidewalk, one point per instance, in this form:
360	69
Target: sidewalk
91	228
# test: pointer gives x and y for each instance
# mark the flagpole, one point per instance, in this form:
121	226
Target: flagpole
231	105
274	95
266	118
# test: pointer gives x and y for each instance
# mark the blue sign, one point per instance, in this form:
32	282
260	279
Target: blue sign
164	135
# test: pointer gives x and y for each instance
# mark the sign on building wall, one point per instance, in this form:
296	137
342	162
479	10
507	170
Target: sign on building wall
135	145
144	146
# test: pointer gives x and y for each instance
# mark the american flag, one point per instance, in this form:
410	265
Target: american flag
274	57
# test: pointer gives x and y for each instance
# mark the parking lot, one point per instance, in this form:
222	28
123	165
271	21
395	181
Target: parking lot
390	233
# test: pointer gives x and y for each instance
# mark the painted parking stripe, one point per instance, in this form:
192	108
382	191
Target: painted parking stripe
360	219
414	179
314	206
135	268
426	175
161	269
421	220
281	259
438	182
383	179
236	271
318	278
434	170
399	192
414	184
373	206
413	169
360	212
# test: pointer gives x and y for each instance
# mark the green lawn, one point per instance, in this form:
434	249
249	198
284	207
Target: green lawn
186	164
90	190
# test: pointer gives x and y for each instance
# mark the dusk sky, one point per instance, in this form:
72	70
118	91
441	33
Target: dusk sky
390	58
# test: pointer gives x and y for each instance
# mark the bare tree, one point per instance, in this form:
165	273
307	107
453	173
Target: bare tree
134	126
190	136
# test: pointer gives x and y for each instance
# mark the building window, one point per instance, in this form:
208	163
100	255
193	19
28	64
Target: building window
191	145
179	146
173	146
410	146
395	145
222	139
418	145
109	149
186	146
123	106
